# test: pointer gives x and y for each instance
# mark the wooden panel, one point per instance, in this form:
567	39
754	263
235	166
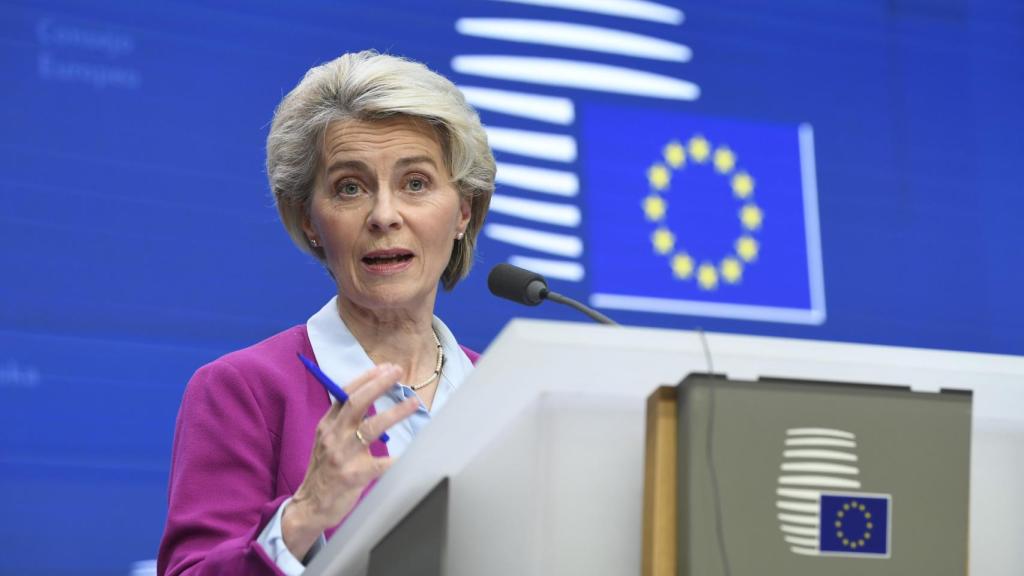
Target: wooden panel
659	552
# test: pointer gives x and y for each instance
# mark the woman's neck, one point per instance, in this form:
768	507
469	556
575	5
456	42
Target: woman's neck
400	337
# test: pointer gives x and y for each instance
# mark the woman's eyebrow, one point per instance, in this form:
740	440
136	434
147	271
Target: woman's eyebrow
410	160
353	165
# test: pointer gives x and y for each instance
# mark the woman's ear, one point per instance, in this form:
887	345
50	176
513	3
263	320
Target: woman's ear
465	213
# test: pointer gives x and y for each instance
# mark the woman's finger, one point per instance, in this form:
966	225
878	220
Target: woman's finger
372	428
352	388
378	384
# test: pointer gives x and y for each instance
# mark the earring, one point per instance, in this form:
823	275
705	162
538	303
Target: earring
314	243
460	235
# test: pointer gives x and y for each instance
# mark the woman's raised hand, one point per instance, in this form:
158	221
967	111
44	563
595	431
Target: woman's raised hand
340	465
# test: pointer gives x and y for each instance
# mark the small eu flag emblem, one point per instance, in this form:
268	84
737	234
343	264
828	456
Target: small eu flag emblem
855	524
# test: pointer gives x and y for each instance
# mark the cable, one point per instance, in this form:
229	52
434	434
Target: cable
709	455
593	314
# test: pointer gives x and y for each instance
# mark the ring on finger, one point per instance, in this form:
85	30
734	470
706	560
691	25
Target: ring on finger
362	439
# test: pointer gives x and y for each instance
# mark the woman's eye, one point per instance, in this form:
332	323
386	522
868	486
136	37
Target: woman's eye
348	189
417	185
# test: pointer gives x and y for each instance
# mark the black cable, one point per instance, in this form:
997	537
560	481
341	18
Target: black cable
709	454
593	314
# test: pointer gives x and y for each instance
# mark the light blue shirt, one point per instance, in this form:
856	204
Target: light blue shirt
342	358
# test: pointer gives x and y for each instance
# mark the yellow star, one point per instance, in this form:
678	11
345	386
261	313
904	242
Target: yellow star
707	276
682	266
654	207
724	160
751	217
699	149
675	154
747	248
658	176
732	270
742	185
663	240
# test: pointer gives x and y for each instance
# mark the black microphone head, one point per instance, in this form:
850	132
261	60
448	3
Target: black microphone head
517	284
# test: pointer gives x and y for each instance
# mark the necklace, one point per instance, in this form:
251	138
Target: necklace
437	368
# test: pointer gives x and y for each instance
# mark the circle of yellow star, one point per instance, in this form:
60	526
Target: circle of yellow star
682	266
674	153
700	148
707	276
747	248
732	270
658	176
724	160
663	240
655	208
742	185
853	542
751	217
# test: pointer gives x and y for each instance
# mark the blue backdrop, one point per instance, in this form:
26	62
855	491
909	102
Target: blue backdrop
139	239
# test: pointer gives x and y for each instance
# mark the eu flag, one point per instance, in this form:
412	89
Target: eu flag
855	524
701	216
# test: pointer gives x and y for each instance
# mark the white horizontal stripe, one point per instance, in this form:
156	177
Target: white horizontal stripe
558	182
558	244
798	493
821	432
819	467
805	551
553	109
536	210
577	74
637	9
806	507
801	519
821	442
570	35
809	542
713	309
819	481
825	454
556	147
560	269
799	530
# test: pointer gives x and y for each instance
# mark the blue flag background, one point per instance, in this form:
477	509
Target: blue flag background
655	170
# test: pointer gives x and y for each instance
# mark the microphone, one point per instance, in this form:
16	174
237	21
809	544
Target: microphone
529	288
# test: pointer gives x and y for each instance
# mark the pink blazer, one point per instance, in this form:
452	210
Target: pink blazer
241	446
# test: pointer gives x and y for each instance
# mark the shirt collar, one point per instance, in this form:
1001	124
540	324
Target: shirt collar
342	358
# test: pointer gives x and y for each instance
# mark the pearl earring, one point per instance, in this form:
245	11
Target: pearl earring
460	235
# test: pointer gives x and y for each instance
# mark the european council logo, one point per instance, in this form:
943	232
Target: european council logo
702	216
821	510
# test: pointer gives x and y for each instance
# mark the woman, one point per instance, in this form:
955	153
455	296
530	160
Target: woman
382	172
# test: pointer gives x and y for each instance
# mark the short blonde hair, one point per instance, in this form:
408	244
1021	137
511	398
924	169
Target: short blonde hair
369	86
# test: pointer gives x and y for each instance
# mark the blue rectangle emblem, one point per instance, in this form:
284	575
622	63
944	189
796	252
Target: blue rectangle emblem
702	216
855	524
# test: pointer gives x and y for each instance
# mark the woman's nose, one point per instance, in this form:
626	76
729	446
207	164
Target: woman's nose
384	214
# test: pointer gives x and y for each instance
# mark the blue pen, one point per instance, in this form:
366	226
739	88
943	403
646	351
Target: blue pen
332	388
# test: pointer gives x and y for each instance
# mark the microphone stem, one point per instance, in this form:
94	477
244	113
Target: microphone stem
593	314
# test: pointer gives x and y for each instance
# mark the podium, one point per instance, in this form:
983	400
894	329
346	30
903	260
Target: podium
543	446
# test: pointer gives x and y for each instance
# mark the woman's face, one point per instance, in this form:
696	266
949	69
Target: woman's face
385	212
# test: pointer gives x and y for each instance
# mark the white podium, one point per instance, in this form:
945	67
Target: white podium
544	444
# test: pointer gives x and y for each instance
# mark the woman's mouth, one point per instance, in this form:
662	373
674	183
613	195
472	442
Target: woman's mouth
387	261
